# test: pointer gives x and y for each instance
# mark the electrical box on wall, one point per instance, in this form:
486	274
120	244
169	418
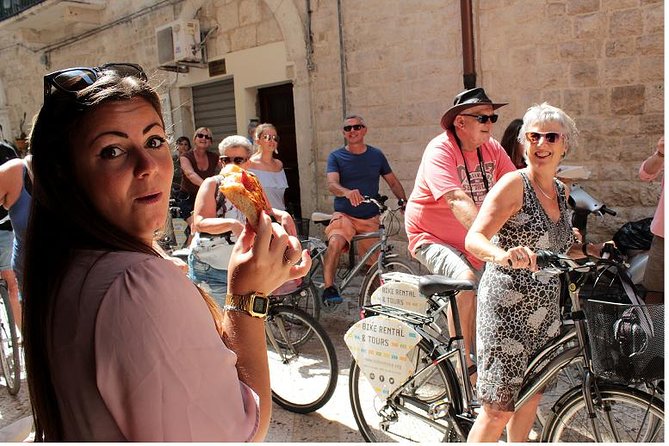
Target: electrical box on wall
179	41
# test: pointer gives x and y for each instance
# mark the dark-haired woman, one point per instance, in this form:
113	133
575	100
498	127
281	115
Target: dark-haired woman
512	145
119	344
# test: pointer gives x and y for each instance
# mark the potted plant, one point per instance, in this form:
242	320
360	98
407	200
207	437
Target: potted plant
22	139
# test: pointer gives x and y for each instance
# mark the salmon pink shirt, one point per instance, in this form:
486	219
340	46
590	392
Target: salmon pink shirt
428	218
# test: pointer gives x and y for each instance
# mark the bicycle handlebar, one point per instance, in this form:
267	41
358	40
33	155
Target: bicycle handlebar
564	263
380	202
606	210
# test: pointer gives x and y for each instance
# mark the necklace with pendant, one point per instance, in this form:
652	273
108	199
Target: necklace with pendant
544	193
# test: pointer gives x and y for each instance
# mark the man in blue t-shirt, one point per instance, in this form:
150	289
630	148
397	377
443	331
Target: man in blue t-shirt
352	172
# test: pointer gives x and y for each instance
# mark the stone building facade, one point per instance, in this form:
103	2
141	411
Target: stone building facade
398	63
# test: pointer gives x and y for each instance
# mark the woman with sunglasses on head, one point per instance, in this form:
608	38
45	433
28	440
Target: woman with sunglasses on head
218	223
268	169
119	344
517	312
196	165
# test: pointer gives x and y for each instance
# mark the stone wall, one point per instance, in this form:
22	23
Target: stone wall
602	61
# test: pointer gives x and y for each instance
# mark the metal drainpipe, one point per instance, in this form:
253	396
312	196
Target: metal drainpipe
310	38
468	66
342	60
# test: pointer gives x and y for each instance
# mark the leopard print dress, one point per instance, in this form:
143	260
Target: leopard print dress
518	312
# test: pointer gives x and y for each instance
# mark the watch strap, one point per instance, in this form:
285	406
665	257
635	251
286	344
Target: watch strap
245	303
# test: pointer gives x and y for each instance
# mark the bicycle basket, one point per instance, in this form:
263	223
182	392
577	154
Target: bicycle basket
623	348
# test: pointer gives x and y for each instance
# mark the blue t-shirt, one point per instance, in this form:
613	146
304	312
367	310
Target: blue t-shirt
360	172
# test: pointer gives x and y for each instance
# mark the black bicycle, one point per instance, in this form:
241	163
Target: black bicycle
302	359
387	261
619	350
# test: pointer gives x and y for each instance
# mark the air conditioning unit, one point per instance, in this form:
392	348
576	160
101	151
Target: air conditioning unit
179	41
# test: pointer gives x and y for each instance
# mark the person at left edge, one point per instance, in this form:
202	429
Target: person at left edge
119	344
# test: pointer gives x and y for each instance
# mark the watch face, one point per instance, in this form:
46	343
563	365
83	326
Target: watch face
260	305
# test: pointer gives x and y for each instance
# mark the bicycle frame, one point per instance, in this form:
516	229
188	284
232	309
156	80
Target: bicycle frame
569	346
360	264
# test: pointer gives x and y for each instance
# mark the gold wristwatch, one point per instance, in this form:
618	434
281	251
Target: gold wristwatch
254	304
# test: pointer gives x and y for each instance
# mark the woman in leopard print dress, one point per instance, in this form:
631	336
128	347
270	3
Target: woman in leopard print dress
518	312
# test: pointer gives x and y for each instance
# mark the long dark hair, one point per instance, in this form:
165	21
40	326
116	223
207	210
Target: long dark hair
512	145
63	219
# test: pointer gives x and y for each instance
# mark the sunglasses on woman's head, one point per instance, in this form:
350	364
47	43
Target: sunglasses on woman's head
73	80
274	138
203	135
235	159
550	137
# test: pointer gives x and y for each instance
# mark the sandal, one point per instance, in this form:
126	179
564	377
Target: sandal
471	370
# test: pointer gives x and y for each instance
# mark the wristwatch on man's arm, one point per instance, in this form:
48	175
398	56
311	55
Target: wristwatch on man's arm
254	304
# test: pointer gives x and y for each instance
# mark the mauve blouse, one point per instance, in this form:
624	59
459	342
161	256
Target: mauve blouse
135	355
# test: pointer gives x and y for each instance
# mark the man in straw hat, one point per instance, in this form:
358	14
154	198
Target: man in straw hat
458	168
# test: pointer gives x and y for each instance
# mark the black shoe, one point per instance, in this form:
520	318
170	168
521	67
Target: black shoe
331	296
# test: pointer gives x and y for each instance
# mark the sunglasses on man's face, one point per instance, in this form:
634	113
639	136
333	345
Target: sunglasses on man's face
348	128
235	159
203	135
483	118
274	138
73	80
550	137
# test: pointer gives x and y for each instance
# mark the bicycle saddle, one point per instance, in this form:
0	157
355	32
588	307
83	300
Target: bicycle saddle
321	217
435	284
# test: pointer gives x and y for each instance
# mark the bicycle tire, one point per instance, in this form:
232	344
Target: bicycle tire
569	377
635	417
372	280
367	405
306	298
303	366
10	354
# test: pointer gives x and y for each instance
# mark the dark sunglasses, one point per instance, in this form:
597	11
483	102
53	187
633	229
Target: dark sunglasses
348	128
270	138
202	135
483	118
235	159
73	80
550	137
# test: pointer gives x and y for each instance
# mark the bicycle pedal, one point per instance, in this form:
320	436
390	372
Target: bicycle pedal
439	409
329	307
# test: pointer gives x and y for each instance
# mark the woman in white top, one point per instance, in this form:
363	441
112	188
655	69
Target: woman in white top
268	169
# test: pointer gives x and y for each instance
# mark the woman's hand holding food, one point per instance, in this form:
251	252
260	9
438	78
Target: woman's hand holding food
264	259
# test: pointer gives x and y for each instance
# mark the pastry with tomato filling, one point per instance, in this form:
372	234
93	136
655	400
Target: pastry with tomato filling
244	191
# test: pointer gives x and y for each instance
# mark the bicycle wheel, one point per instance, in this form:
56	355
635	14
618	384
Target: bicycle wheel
372	280
569	377
623	415
302	360
383	420
306	299
10	355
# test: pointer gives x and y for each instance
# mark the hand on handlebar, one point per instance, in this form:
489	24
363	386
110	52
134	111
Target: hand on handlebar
402	204
520	257
609	251
354	196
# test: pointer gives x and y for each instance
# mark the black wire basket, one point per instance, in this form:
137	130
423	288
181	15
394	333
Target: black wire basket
627	341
